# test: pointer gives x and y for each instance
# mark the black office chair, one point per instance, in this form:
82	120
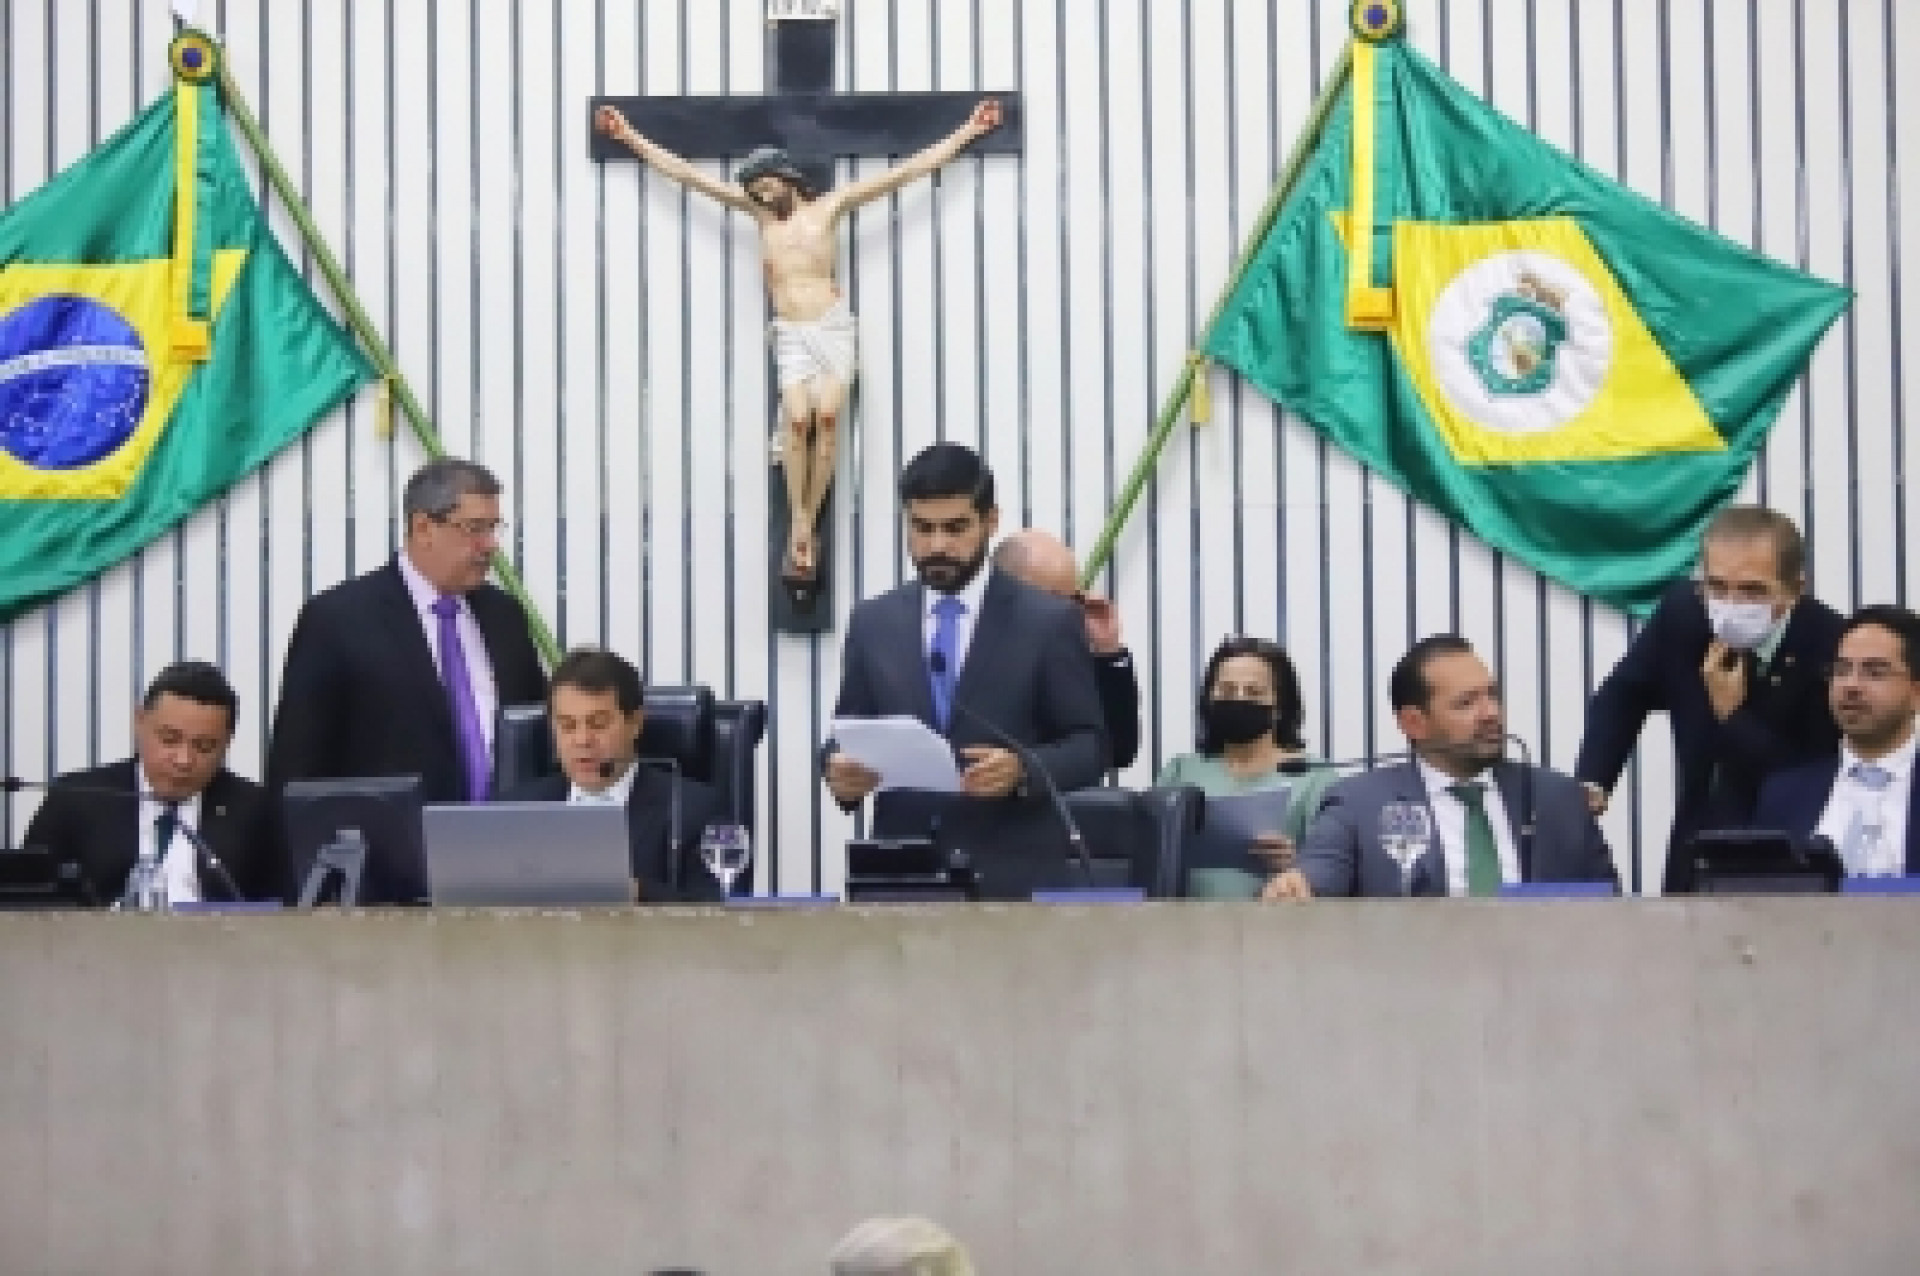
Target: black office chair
738	728
714	743
1137	838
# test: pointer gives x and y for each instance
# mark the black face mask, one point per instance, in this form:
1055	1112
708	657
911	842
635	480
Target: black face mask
1236	721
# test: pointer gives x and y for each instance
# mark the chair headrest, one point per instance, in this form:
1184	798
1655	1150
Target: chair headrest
679	725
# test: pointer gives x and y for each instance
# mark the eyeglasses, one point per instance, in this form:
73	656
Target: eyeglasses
477	529
1866	670
1747	591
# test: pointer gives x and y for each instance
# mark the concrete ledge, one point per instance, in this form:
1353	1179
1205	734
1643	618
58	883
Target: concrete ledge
1606	1088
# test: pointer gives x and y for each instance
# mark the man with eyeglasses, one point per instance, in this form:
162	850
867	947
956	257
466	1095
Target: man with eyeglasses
400	671
1861	796
1737	659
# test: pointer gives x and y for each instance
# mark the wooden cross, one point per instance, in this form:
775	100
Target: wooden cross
803	115
816	126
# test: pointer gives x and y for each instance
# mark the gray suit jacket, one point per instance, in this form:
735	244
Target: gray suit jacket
1342	853
1029	673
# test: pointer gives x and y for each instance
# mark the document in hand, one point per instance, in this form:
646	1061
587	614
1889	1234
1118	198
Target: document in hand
1232	823
904	751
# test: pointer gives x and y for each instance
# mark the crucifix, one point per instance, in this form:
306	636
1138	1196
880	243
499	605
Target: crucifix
790	139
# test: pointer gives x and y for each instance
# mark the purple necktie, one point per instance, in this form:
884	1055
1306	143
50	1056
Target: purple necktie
466	714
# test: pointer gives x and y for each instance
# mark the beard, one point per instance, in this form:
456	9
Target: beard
950	575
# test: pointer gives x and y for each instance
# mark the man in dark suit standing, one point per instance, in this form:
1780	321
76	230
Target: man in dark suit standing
975	655
1045	563
1491	822
1862	797
400	671
1737	661
596	709
177	776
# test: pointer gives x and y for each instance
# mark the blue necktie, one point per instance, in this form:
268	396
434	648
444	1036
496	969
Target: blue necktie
945	669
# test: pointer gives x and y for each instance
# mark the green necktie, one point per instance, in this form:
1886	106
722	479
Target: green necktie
1483	856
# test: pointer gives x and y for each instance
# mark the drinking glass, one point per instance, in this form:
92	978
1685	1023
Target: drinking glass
726	849
1406	830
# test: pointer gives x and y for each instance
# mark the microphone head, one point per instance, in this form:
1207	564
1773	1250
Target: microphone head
608	770
1295	766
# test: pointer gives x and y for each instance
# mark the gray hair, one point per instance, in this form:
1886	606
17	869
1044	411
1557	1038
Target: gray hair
899	1247
436	487
1751	522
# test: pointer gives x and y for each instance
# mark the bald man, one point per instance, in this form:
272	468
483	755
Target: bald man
1043	562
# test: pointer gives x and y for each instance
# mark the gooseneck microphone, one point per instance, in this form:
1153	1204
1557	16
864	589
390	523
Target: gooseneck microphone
937	661
1528	813
14	784
1300	766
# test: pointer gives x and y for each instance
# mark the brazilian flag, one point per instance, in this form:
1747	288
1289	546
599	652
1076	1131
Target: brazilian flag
1577	375
155	344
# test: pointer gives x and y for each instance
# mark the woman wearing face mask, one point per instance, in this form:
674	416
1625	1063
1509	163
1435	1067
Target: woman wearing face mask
1249	723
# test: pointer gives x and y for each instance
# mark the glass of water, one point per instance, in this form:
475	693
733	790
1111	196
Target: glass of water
1406	830
727	849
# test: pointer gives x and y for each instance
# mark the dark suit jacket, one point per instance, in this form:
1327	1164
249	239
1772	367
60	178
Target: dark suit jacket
103	834
649	824
1119	706
1793	800
1784	721
361	694
1341	854
1029	673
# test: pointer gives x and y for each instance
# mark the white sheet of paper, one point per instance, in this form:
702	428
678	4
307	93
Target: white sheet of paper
905	751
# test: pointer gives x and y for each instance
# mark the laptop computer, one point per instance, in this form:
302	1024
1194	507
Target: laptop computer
528	854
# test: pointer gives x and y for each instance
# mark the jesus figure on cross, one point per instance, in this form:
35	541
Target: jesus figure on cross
813	328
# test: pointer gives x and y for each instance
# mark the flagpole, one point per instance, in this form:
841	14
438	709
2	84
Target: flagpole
1194	365
363	328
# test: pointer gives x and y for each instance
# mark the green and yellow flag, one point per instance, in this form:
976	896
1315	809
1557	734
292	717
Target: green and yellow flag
1574	373
155	344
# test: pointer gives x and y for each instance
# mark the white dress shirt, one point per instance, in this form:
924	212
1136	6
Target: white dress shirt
486	698
1850	800
1450	825
970	597
178	862
614	794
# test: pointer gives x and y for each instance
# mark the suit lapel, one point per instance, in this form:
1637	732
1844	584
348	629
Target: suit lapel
649	827
1913	826
493	635
984	658
120	822
905	634
1506	778
408	641
215	827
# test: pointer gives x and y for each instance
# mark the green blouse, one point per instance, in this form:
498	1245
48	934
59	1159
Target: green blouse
1210	776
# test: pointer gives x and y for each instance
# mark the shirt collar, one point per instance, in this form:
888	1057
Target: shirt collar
152	803
419	587
1438	782
975	590
614	794
1898	764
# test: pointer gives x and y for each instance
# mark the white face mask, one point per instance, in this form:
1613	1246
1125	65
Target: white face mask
1742	626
